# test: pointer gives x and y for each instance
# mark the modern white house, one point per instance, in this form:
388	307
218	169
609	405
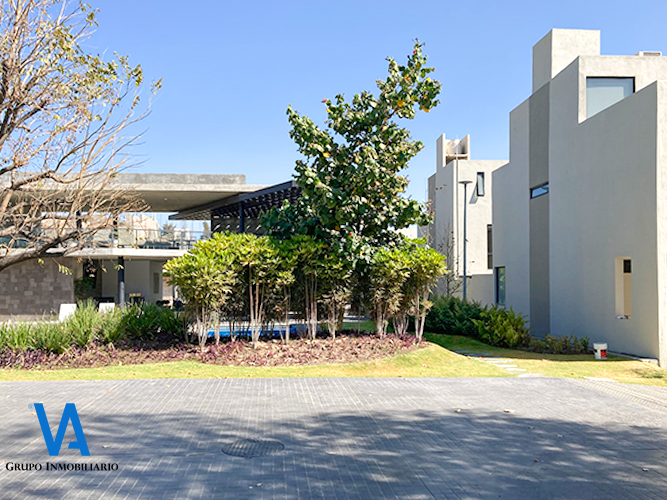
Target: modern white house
579	214
460	195
124	263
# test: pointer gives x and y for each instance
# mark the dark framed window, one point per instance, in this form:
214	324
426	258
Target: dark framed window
489	247
627	266
500	285
540	190
480	183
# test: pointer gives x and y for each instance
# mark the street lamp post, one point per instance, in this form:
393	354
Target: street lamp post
465	236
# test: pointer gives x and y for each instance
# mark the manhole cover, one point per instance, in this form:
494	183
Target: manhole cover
249	448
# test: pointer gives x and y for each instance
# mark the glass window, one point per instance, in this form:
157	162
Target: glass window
603	92
623	287
480	183
539	190
489	246
500	286
627	266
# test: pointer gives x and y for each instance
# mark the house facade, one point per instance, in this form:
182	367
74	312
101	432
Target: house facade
579	213
460	194
123	263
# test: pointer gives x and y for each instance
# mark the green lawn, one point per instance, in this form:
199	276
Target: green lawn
561	365
429	361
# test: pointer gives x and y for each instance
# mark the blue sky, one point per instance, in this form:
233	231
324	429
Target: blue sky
230	69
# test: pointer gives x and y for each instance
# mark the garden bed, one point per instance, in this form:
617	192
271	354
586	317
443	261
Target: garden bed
348	347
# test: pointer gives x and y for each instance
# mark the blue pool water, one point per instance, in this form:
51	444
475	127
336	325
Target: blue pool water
275	333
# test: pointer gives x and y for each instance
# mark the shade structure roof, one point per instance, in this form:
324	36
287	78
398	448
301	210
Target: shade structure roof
252	204
167	192
177	192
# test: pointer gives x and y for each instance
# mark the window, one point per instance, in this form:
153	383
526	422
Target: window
627	266
539	190
480	183
603	92
500	286
623	288
489	247
156	283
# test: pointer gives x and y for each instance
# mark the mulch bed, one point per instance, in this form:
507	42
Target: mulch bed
348	347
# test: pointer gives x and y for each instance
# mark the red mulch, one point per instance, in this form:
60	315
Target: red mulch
348	347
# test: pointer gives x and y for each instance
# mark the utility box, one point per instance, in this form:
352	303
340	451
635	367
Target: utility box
600	351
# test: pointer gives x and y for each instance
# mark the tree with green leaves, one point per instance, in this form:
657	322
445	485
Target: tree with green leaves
387	272
335	288
66	120
350	178
205	281
309	268
424	266
285	281
263	270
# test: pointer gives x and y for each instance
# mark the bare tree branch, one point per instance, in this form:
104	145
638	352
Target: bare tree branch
65	122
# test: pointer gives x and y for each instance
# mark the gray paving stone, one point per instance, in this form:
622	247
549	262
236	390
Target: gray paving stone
344	439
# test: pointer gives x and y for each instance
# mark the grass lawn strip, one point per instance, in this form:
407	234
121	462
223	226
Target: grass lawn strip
561	365
429	361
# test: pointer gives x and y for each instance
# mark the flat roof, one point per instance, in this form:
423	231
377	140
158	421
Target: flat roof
178	192
128	253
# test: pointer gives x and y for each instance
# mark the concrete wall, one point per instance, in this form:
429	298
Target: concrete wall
558	49
540	250
661	220
448	205
511	214
603	206
32	289
538	147
479	214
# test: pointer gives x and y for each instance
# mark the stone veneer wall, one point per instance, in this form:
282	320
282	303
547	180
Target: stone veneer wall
31	289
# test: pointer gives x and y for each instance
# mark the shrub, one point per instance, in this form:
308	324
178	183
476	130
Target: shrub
87	325
565	345
148	320
503	327
82	327
453	316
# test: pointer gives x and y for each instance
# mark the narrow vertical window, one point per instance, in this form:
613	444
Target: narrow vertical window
480	183
489	247
156	283
623	288
500	286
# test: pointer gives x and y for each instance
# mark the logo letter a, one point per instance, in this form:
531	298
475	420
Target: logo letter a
53	445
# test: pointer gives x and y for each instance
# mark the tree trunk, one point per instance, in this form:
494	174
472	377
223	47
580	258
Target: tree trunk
400	324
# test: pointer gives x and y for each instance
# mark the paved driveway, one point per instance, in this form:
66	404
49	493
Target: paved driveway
342	438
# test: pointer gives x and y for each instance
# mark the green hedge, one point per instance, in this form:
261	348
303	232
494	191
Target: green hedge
497	326
453	316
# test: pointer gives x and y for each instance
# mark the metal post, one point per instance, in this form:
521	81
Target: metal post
465	237
121	281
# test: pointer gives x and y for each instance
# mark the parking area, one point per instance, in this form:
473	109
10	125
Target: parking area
509	438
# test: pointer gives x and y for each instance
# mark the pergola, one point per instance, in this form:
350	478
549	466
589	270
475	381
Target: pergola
241	208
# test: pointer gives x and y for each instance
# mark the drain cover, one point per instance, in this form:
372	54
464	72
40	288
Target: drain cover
249	448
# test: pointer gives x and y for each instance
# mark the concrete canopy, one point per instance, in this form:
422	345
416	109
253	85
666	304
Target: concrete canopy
177	192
